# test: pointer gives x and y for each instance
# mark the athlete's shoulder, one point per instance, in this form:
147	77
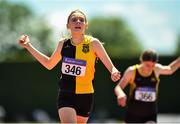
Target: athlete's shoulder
131	69
61	42
158	67
96	41
131	72
96	44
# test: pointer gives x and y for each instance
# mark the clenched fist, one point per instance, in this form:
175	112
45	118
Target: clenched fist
24	40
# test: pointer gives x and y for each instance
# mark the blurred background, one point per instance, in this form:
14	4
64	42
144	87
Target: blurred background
28	91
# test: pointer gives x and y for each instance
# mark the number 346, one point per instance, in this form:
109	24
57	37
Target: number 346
73	69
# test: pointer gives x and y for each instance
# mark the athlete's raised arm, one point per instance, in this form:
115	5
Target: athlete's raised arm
48	62
101	53
127	77
168	69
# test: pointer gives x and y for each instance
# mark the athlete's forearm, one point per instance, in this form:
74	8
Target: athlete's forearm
109	65
119	92
43	59
102	54
107	62
175	65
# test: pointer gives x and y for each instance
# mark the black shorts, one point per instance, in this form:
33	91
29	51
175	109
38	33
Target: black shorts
82	103
134	118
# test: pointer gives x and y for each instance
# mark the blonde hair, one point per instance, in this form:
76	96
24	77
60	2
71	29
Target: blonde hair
76	11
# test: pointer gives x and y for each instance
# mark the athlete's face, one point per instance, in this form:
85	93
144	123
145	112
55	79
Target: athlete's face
77	23
148	65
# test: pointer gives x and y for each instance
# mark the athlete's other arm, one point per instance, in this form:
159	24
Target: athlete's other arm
48	62
101	53
121	96
168	69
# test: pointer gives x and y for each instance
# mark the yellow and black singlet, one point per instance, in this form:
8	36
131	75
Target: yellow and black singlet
78	67
143	93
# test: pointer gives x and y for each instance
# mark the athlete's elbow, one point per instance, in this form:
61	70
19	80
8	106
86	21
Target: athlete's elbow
49	67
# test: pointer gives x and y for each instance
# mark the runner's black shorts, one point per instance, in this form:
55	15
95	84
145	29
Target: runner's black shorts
82	103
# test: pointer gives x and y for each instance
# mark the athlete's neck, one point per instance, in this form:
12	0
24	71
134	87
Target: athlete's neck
77	39
145	71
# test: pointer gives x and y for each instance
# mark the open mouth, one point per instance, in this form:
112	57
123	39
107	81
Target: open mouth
77	27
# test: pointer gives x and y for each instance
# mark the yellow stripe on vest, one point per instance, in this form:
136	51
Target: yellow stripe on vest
84	52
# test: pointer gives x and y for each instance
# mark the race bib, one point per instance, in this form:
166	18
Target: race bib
145	94
74	67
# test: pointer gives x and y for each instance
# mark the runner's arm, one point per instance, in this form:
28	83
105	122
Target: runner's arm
168	69
127	77
48	62
103	56
121	96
